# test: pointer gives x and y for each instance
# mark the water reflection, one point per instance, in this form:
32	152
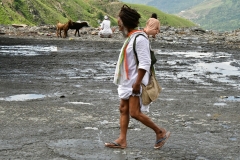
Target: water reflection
23	97
231	98
203	66
23	50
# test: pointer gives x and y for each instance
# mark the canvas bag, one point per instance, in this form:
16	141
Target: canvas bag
151	91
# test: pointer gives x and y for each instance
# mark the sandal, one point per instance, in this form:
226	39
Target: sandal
162	141
114	145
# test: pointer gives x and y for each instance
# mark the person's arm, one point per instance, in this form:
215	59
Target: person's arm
102	25
136	85
142	49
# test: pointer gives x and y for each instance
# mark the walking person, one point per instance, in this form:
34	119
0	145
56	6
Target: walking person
152	26
128	76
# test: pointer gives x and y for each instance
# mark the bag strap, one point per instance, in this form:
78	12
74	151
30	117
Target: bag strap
134	46
135	52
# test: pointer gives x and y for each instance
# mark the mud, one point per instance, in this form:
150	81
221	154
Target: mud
57	101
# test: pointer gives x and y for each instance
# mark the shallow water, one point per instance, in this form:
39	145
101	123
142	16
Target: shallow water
23	50
23	97
199	67
215	66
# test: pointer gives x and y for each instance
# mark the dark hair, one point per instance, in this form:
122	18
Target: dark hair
154	15
130	17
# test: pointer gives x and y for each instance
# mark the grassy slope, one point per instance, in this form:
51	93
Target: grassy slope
223	18
220	15
137	1
37	12
165	19
201	9
174	6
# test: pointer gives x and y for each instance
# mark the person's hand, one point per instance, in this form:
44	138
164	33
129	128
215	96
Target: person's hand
136	88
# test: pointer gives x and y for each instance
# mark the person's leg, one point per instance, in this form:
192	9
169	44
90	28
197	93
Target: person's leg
124	121
135	112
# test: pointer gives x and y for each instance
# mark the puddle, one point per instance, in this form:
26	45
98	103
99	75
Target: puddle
219	104
23	50
66	49
227	98
187	54
93	128
223	68
231	98
232	139
77	103
204	66
23	97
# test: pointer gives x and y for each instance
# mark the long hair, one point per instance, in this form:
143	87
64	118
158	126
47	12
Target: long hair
130	17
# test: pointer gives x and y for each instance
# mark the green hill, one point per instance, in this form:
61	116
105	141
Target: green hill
41	12
225	17
220	15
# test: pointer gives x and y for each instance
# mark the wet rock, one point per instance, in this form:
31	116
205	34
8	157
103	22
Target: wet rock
168	34
235	64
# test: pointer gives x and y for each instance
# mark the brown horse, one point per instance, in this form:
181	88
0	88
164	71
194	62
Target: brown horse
64	27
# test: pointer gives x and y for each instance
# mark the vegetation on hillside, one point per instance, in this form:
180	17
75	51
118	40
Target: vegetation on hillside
225	17
41	12
165	19
168	6
219	15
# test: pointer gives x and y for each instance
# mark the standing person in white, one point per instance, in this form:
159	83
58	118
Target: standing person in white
105	28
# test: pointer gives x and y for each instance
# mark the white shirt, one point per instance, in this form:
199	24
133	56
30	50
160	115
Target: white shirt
106	27
144	58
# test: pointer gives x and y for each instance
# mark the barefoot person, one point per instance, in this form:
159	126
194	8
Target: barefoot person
128	76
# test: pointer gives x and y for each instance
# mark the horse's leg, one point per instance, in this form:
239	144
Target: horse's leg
58	30
78	33
65	33
60	33
75	33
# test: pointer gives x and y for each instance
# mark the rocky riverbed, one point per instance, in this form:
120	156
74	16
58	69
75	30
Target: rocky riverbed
57	99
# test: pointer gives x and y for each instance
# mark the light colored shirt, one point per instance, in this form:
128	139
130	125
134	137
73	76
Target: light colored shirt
152	26
144	58
106	27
